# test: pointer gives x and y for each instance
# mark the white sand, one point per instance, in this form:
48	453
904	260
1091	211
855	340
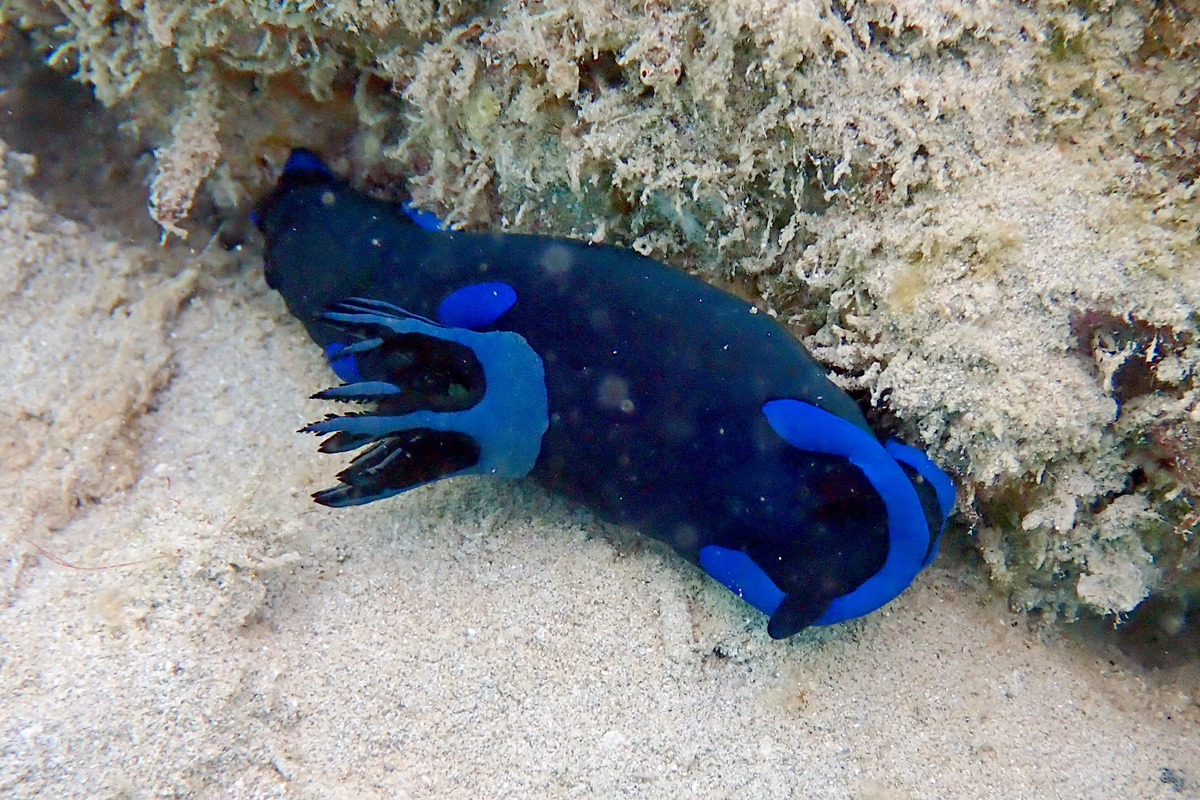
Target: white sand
467	640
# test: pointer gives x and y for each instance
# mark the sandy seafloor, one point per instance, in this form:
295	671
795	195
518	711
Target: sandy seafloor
199	628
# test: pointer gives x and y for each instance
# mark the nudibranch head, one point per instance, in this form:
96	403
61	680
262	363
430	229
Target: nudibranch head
918	498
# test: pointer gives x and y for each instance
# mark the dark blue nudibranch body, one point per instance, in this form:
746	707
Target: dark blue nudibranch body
657	400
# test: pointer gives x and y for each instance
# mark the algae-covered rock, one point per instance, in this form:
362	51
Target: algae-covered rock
983	217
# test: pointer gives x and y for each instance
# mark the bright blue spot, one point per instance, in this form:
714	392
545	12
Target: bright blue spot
942	485
738	573
344	368
806	427
422	219
301	160
476	306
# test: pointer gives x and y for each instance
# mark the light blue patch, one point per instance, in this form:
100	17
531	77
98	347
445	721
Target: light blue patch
806	427
476	306
738	573
508	422
361	346
343	367
367	390
422	219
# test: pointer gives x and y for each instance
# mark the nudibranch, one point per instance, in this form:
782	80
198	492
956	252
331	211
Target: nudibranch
655	399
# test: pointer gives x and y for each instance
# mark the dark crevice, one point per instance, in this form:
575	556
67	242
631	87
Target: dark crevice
88	169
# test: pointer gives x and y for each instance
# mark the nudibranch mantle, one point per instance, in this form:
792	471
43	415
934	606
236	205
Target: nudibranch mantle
657	400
